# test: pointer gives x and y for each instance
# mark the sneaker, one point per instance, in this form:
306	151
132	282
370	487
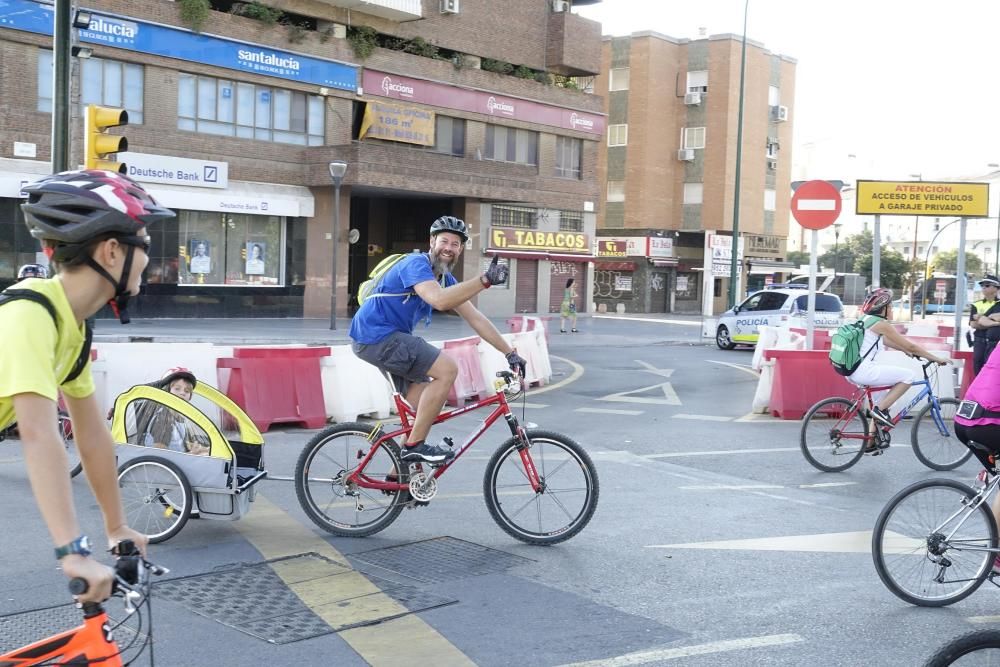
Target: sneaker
575	330
882	417
427	453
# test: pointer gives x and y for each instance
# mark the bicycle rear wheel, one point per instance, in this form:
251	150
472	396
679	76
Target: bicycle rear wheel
343	508
567	498
981	647
833	435
934	449
929	548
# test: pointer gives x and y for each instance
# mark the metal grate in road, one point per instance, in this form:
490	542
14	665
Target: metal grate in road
439	559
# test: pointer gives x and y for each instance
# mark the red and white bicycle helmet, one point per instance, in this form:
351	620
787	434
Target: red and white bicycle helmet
178	373
72	208
876	300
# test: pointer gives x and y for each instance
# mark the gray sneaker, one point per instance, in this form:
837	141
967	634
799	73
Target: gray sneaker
882	417
427	453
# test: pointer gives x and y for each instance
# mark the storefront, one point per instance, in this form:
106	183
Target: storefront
763	261
637	273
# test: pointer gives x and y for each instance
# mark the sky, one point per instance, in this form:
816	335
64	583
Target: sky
885	89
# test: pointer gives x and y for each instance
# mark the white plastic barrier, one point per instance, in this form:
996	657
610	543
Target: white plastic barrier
352	387
762	397
492	361
767	340
526	345
544	364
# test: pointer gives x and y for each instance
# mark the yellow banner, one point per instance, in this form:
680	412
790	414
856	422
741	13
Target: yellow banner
527	239
397	122
962	200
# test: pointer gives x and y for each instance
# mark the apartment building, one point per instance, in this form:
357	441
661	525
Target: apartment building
438	108
668	171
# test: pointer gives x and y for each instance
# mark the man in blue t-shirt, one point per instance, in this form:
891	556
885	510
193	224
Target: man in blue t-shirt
382	329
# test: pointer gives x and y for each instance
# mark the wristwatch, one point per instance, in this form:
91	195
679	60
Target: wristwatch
80	547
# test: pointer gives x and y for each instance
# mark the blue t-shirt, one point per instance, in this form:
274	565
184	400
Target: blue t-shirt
380	316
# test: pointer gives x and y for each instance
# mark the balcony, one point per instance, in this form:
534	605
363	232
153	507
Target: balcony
393	10
574	45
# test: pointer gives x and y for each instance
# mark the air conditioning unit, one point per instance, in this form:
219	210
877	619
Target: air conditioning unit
560	6
685	155
692	98
781	114
449	6
772	165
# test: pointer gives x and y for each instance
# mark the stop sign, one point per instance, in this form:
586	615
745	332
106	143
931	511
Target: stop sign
816	204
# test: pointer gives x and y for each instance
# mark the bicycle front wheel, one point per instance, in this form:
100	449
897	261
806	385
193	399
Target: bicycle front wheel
336	505
565	501
981	647
930	548
937	450
834	434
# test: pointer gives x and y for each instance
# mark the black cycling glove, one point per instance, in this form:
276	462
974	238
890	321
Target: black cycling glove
517	363
496	274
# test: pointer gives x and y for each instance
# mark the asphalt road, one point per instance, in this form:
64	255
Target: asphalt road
714	543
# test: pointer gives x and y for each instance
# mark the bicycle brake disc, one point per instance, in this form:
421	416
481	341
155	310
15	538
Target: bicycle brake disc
423	487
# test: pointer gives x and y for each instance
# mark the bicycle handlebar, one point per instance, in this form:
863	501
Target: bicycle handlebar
129	570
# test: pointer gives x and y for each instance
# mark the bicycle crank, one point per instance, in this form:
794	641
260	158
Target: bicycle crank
423	487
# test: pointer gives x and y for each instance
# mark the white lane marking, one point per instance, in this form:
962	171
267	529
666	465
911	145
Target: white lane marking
730	487
669	395
739	367
983	619
721	452
857	542
604	411
823	485
702	418
765	417
686	323
573	377
530	406
646	657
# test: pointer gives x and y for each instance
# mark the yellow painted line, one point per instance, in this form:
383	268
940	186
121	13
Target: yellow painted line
275	534
738	367
573	377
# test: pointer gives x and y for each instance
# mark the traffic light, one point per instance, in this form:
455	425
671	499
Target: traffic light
99	146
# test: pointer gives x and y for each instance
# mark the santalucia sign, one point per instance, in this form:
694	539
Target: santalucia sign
502	238
962	200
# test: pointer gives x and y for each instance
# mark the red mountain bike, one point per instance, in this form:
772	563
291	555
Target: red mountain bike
93	642
540	487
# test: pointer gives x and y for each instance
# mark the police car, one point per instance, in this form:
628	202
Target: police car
775	307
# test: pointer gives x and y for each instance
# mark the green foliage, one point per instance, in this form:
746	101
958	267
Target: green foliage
947	262
498	66
543	77
363	40
419	47
523	72
797	257
458	60
896	270
255	10
567	82
194	13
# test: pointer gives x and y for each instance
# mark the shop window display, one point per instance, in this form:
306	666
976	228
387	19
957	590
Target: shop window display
230	249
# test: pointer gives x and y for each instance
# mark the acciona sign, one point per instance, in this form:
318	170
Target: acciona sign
447	96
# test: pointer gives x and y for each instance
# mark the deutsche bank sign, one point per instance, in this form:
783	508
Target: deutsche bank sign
176	170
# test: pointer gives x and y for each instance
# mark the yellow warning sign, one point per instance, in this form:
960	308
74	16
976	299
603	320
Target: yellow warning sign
962	200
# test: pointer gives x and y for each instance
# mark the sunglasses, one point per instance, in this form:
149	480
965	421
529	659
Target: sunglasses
144	241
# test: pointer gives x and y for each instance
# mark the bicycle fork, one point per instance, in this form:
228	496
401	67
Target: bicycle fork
524	451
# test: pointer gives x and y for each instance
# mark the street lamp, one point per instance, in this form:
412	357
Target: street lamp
836	247
337	170
733	275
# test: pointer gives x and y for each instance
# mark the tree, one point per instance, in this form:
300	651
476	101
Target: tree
894	269
797	257
947	262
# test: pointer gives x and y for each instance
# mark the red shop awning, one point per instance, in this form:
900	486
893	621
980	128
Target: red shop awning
524	254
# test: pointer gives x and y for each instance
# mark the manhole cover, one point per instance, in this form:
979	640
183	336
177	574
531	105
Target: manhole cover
290	599
440	559
21	629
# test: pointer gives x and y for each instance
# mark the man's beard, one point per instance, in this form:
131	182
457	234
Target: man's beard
439	264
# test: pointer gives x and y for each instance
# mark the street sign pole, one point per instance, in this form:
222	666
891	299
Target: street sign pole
960	285
876	254
810	319
815	205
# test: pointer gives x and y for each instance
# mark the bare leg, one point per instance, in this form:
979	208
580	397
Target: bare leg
893	395
574	321
431	396
562	324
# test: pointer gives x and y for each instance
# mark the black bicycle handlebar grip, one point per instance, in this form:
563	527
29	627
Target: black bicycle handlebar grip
78	586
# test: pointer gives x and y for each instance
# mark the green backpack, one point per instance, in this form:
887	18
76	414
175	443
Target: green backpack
845	345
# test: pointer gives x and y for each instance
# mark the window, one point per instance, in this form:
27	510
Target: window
773	96
772	147
618	79
228	249
825	303
106	82
697	82
508	144
449	135
570	221
617	135
568	157
770	197
693	193
616	190
505	215
693	137
219	106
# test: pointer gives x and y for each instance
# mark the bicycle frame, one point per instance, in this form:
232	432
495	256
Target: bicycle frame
87	643
407	412
926	393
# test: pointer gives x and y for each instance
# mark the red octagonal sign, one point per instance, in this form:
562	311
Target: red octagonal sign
816	204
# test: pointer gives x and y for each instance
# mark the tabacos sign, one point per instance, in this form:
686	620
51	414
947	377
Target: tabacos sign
502	238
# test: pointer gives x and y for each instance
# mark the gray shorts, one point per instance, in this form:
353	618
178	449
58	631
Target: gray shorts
404	356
